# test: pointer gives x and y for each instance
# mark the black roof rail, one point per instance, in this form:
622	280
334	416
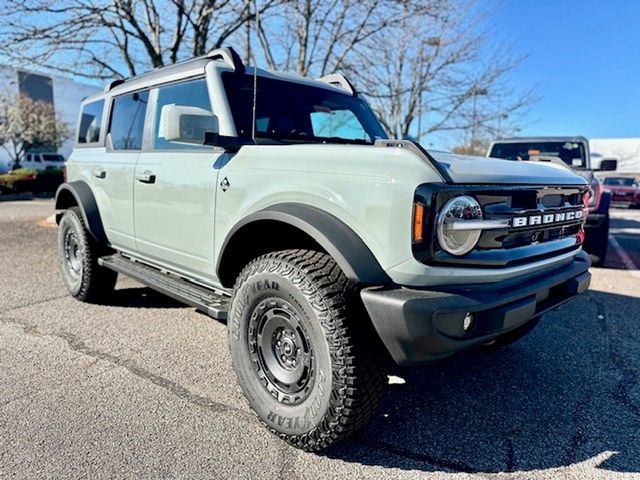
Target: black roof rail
340	81
229	56
113	84
226	54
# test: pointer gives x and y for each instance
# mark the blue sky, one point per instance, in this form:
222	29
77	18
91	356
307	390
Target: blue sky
584	59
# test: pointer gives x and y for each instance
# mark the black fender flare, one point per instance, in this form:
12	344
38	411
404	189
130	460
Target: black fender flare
83	196
347	248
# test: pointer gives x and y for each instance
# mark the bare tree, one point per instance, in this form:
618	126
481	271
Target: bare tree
25	123
311	37
118	38
438	73
426	66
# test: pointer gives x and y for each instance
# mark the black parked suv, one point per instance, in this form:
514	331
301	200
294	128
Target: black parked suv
572	152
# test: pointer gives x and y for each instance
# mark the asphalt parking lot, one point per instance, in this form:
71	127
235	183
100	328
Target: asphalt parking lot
143	387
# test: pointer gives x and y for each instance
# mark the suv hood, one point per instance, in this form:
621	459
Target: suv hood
468	169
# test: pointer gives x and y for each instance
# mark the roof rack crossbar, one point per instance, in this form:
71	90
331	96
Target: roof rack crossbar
340	81
229	56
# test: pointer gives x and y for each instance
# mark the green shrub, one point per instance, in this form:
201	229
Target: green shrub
29	180
9	180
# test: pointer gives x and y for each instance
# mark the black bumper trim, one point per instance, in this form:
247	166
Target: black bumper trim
420	326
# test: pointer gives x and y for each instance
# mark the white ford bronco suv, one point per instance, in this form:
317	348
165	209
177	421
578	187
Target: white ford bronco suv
278	204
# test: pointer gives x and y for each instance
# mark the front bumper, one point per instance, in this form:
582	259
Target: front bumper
426	325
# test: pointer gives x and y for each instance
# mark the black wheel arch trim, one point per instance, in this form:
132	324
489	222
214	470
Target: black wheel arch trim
85	200
345	246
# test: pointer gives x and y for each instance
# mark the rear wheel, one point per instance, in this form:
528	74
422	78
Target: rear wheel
303	352
78	256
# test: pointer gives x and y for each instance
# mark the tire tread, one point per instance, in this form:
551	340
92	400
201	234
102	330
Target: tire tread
358	376
97	281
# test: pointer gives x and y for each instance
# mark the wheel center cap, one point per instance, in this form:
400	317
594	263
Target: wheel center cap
281	351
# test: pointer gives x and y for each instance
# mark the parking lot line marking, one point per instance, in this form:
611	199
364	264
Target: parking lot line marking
624	256
627	231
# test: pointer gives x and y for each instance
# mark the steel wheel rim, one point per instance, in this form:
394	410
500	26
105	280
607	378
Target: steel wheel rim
281	351
72	255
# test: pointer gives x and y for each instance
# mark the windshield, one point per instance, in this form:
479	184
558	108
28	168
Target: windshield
620	181
47	157
294	111
571	153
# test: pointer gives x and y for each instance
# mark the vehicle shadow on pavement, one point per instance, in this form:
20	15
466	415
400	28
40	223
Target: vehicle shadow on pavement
563	395
141	297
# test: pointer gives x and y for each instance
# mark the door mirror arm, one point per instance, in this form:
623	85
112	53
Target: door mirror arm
231	144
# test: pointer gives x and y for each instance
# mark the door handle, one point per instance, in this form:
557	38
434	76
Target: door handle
100	173
146	177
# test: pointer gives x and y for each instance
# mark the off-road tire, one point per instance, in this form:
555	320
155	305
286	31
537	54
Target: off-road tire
513	336
306	289
78	255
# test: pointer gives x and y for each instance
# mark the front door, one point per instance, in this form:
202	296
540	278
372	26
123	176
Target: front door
175	188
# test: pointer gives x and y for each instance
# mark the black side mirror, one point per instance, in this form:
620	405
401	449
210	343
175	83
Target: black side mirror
609	165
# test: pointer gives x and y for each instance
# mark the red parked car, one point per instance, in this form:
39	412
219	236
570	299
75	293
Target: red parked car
624	190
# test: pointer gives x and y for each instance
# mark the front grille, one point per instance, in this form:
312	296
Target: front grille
510	245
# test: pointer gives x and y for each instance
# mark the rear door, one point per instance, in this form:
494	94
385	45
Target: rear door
112	174
175	187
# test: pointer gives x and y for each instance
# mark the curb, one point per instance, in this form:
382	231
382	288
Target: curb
49	222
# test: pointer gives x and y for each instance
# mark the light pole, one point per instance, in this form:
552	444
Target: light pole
430	42
503	116
476	92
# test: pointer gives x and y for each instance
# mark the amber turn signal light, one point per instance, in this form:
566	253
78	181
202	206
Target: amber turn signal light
418	221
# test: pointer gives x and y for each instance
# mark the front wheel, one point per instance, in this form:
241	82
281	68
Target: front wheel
302	350
78	256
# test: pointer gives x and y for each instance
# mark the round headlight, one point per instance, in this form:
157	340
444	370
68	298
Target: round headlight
453	235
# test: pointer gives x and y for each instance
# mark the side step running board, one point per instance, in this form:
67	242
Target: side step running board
213	303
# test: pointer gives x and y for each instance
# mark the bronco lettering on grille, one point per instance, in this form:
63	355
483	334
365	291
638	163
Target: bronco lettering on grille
546	219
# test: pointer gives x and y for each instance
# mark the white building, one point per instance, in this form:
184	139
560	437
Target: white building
625	150
65	94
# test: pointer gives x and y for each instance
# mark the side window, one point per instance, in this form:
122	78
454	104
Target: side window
90	121
127	120
337	123
36	158
183	114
